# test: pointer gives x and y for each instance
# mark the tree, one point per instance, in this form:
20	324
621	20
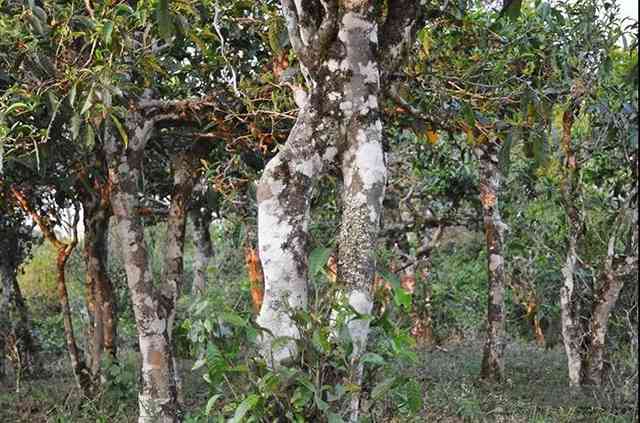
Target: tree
16	337
348	60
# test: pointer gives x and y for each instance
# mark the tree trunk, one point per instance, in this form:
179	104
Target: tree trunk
284	196
347	52
98	287
490	181
201	219
569	304
15	326
607	295
78	364
153	311
173	272
64	250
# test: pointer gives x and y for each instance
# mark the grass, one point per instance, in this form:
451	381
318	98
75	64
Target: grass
535	390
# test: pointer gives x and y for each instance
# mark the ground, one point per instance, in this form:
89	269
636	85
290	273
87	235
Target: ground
535	390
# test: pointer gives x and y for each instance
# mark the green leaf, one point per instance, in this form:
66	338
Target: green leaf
372	358
382	388
317	260
165	26
72	94
414	395
89	136
107	31
16	106
402	298
120	128
392	278
199	363
233	319
75	126
245	406
88	102
211	403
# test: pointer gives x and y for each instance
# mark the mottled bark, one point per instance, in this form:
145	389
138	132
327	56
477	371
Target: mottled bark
284	196
158	396
173	272
201	218
613	275
99	294
339	48
569	304
339	124
490	182
584	329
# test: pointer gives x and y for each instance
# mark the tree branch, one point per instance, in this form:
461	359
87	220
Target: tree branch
398	33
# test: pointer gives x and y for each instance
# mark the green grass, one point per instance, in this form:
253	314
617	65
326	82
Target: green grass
535	390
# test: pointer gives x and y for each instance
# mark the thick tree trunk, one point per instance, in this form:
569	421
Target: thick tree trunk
284	196
345	64
364	175
201	219
490	181
158	396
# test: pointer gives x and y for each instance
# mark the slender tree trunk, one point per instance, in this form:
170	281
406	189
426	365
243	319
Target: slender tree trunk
173	274
98	289
201	219
78	364
64	250
153	311
569	303
490	181
15	326
613	280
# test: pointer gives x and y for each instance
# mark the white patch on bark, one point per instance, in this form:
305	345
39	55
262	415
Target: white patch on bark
329	154
346	107
370	73
333	66
495	261
334	95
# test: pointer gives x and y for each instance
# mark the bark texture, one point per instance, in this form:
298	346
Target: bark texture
584	326
16	341
490	182
101	305
64	250
153	308
347	51
201	218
